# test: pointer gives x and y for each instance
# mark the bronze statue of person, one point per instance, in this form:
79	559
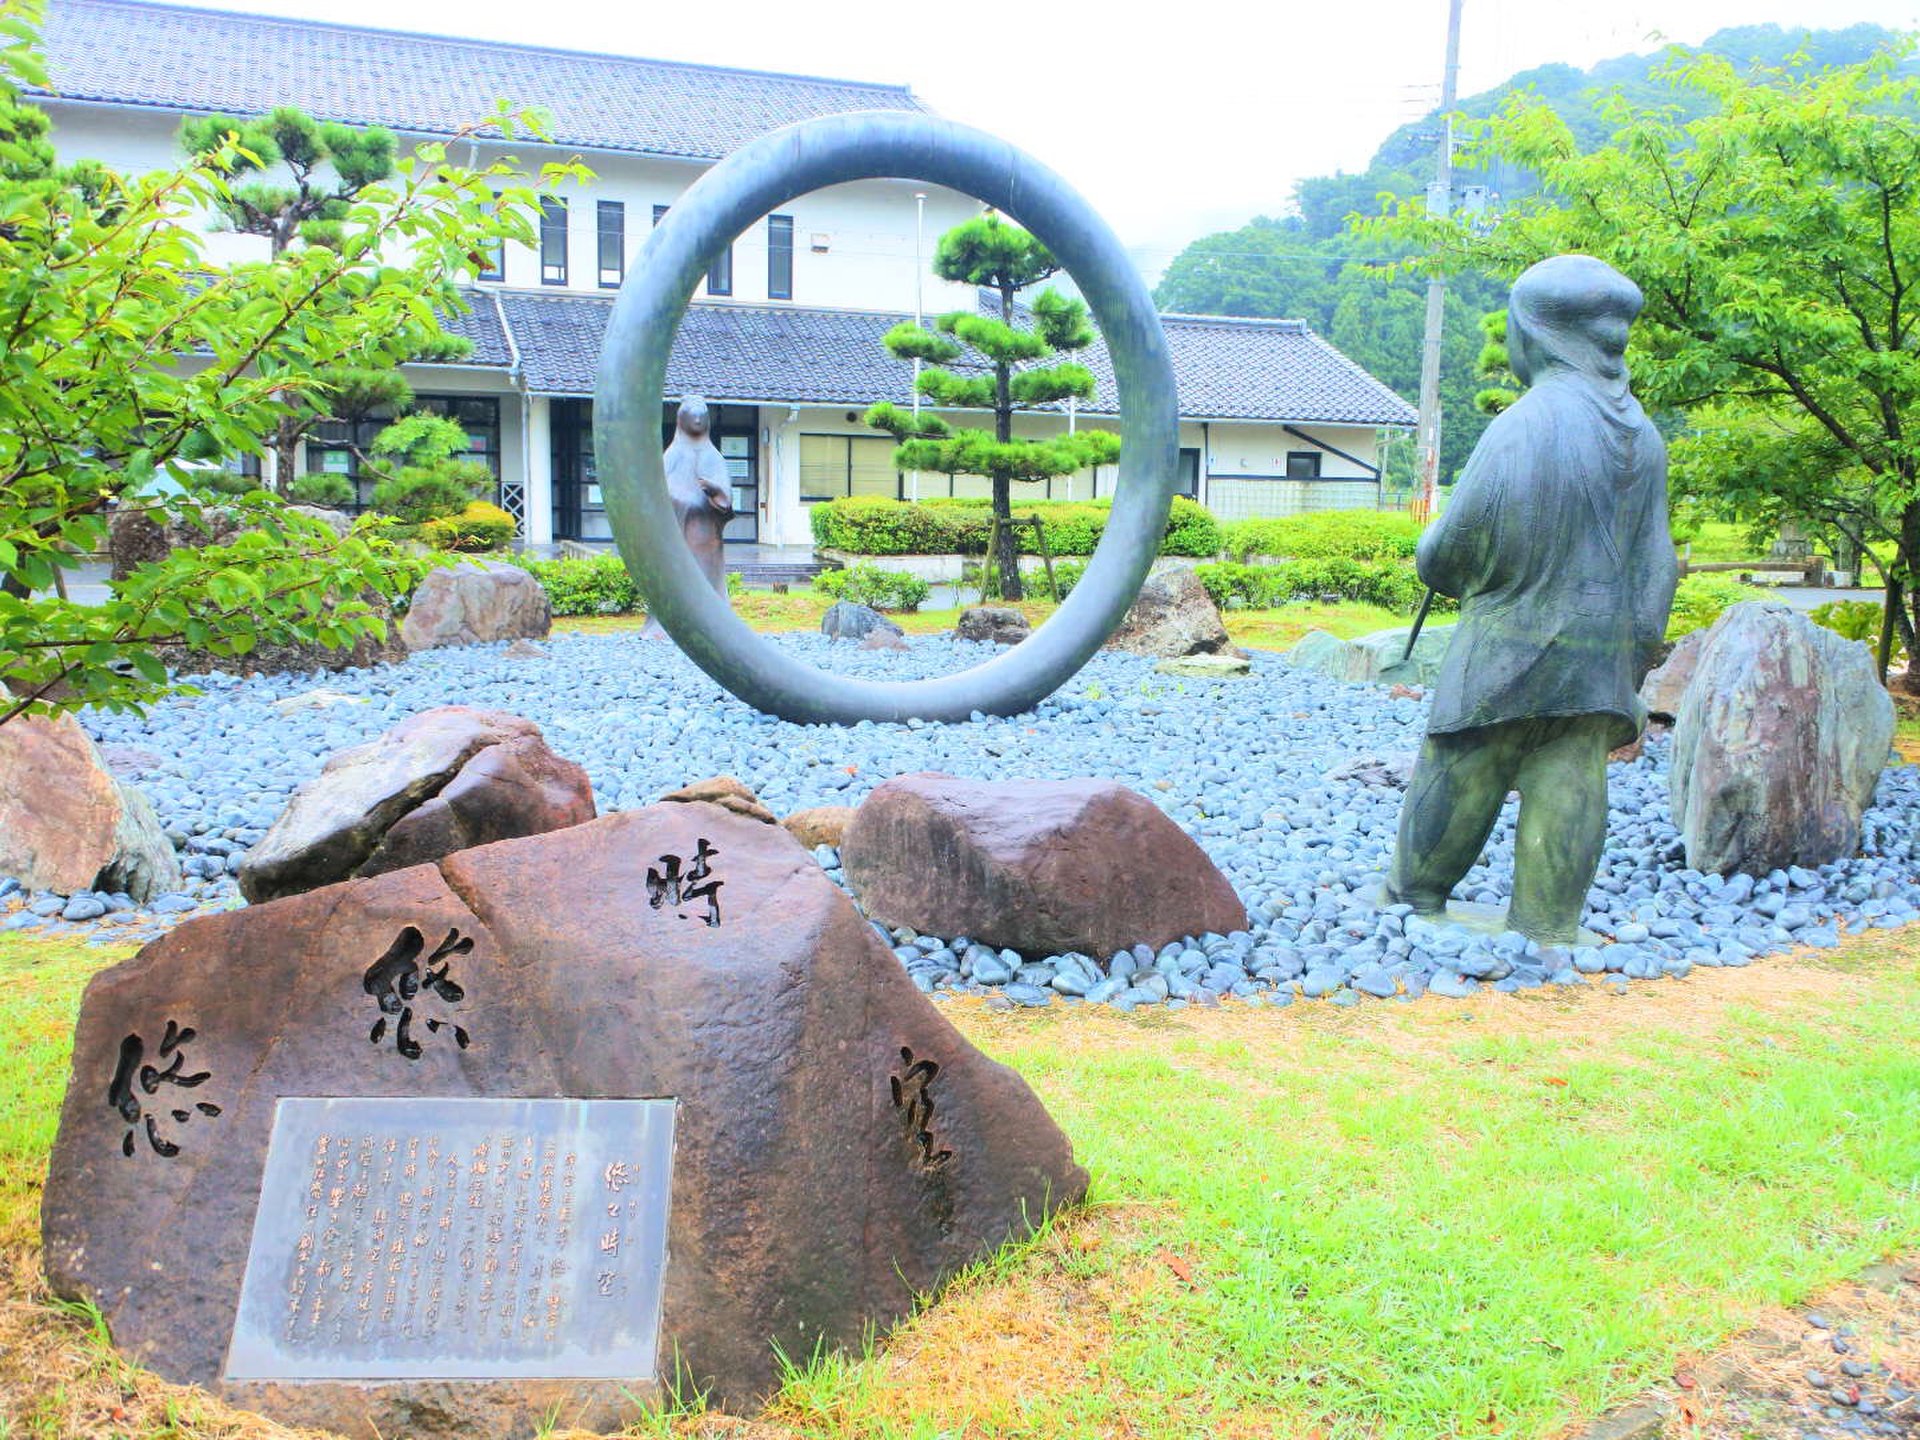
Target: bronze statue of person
701	492
1556	545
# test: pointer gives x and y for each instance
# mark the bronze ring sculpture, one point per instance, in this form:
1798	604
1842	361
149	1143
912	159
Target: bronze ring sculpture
760	178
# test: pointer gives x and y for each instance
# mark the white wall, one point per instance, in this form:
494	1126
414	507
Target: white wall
853	244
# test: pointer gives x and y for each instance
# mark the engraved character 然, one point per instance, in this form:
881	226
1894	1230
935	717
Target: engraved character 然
396	982
133	1077
669	885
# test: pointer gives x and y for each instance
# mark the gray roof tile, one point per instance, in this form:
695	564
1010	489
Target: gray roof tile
1225	369
213	61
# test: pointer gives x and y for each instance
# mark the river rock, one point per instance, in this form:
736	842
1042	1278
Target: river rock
1205	666
995	624
838	1150
849	620
1666	684
66	824
729	793
1778	745
819	824
475	602
1373	659
1045	867
1172	615
440	781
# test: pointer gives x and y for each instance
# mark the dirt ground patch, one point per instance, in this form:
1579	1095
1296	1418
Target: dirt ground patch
1847	1364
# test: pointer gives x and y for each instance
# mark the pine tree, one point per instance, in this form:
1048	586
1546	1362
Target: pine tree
1010	369
326	168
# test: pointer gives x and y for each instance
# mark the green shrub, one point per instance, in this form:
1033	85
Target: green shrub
417	495
1325	535
874	525
1389	584
600	586
321	488
1066	575
870	585
478	528
1857	620
1700	600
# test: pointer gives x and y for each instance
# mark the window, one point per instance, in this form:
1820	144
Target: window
1303	465
613	244
334	447
659	213
833	466
493	258
779	257
1186	475
553	240
720	273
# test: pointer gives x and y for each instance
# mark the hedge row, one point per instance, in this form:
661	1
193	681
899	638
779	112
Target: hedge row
1387	583
1325	535
600	586
875	525
870	585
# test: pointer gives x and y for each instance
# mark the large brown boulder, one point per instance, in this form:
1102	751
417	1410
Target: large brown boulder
1173	615
1666	684
1045	867
299	658
135	537
1779	742
475	602
66	824
838	1148
994	624
440	781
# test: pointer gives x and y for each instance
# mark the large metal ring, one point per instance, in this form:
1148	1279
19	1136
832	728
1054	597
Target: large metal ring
760	178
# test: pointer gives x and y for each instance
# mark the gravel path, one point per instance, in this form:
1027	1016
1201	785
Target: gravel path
1251	768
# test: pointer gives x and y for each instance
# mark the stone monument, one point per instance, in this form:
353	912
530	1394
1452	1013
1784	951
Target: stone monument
702	495
541	1127
1557	547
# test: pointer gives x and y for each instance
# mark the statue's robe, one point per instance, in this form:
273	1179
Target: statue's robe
696	477
1556	544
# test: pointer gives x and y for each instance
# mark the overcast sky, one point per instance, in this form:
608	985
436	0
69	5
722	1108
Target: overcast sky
1174	121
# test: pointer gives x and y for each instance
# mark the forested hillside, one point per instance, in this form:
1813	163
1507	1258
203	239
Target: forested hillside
1306	265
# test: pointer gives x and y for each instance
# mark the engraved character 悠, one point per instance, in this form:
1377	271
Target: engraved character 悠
670	886
397	980
133	1077
913	1096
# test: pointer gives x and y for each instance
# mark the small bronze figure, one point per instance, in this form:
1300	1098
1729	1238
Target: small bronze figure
702	494
1556	545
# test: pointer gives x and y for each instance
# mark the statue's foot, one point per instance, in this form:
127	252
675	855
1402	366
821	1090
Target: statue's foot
1424	903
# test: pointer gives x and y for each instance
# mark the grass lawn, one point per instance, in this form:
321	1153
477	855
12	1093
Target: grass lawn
1489	1218
801	610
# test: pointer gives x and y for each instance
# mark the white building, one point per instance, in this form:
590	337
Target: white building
784	337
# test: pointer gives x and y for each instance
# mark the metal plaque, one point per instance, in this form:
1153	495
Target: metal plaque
418	1238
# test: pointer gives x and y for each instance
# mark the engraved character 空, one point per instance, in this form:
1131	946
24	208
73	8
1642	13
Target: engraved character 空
913	1096
397	981
133	1077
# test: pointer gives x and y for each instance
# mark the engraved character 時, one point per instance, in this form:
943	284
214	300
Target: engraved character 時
133	1078
670	885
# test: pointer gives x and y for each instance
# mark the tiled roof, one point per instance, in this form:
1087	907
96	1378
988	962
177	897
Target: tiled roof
1225	369
207	61
481	324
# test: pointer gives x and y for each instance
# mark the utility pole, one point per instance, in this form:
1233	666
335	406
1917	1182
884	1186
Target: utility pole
1439	202
919	314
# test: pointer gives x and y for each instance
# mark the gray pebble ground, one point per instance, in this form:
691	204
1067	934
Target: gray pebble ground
1244	766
